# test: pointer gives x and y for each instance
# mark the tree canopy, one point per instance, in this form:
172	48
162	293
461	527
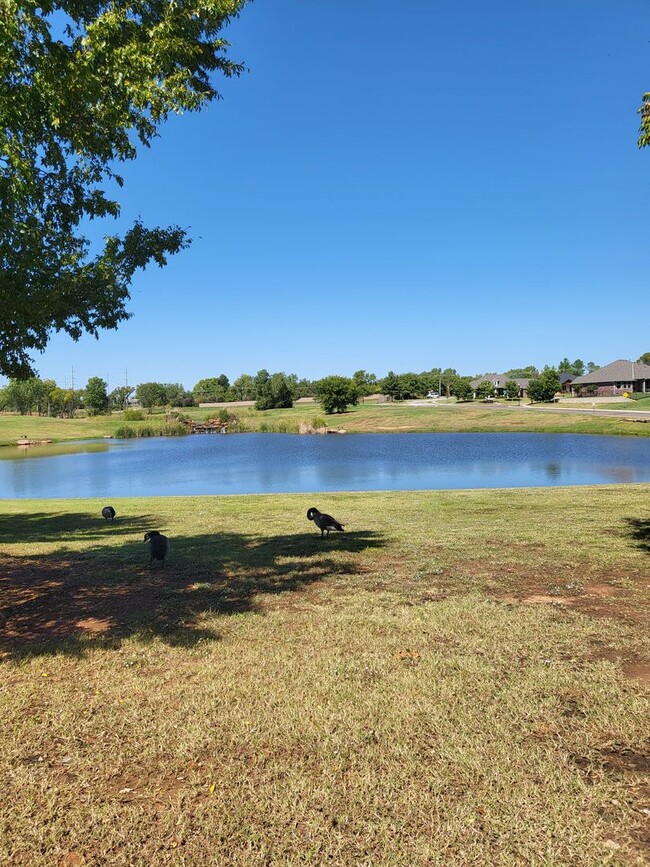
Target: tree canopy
82	85
545	386
644	130
336	393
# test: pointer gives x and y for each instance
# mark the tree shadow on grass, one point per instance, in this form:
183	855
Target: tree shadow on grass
640	531
70	601
47	527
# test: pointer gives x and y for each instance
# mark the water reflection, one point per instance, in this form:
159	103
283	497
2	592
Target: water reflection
269	463
553	470
48	450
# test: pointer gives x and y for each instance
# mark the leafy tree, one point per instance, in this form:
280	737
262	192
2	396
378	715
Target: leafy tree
150	394
485	389
300	387
175	395
528	372
243	387
96	396
545	386
512	389
591	366
336	393
272	392
391	386
18	396
212	389
644	129
119	397
448	378
644	359
577	367
462	388
263	394
410	386
364	382
281	393
82	84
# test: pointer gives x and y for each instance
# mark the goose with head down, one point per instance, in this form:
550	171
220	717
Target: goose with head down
158	546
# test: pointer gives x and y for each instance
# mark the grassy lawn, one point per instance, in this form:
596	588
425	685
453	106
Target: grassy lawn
365	418
462	677
642	405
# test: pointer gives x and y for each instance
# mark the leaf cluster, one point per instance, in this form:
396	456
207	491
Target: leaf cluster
82	84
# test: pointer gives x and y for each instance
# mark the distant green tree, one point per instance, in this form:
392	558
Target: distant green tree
410	386
176	395
118	399
96	396
522	372
281	393
150	394
263	393
448	378
577	367
462	388
592	366
336	393
485	389
365	383
213	389
272	392
244	387
512	389
18	395
301	387
644	359
391	386
63	402
544	387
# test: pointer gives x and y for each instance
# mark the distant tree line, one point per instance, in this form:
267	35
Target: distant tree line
277	390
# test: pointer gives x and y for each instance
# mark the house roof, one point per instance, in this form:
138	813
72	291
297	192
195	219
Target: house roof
565	376
499	379
617	371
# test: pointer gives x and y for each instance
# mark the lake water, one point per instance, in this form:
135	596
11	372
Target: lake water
278	463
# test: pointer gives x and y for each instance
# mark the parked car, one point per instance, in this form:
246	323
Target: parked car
433	394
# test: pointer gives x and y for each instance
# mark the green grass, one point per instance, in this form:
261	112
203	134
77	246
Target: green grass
365	418
447	682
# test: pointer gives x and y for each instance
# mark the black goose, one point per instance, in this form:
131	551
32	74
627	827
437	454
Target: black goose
158	546
324	522
108	512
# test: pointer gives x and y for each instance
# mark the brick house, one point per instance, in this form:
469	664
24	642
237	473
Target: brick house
616	378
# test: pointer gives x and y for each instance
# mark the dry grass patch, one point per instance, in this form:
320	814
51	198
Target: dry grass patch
378	698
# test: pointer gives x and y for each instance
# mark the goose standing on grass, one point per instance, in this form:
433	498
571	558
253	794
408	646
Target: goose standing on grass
324	522
108	512
158	546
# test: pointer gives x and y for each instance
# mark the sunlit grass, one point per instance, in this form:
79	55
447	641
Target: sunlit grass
394	695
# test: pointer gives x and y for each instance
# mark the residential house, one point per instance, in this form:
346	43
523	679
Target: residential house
499	380
566	379
619	377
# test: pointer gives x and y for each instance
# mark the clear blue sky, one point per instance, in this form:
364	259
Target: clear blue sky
397	186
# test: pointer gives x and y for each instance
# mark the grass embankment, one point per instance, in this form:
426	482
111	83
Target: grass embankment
365	418
447	682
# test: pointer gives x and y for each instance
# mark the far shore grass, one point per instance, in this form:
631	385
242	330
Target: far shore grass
371	417
462	677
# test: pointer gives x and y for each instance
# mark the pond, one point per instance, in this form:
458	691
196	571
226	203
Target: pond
283	463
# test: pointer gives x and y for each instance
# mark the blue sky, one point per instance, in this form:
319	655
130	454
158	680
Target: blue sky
397	186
